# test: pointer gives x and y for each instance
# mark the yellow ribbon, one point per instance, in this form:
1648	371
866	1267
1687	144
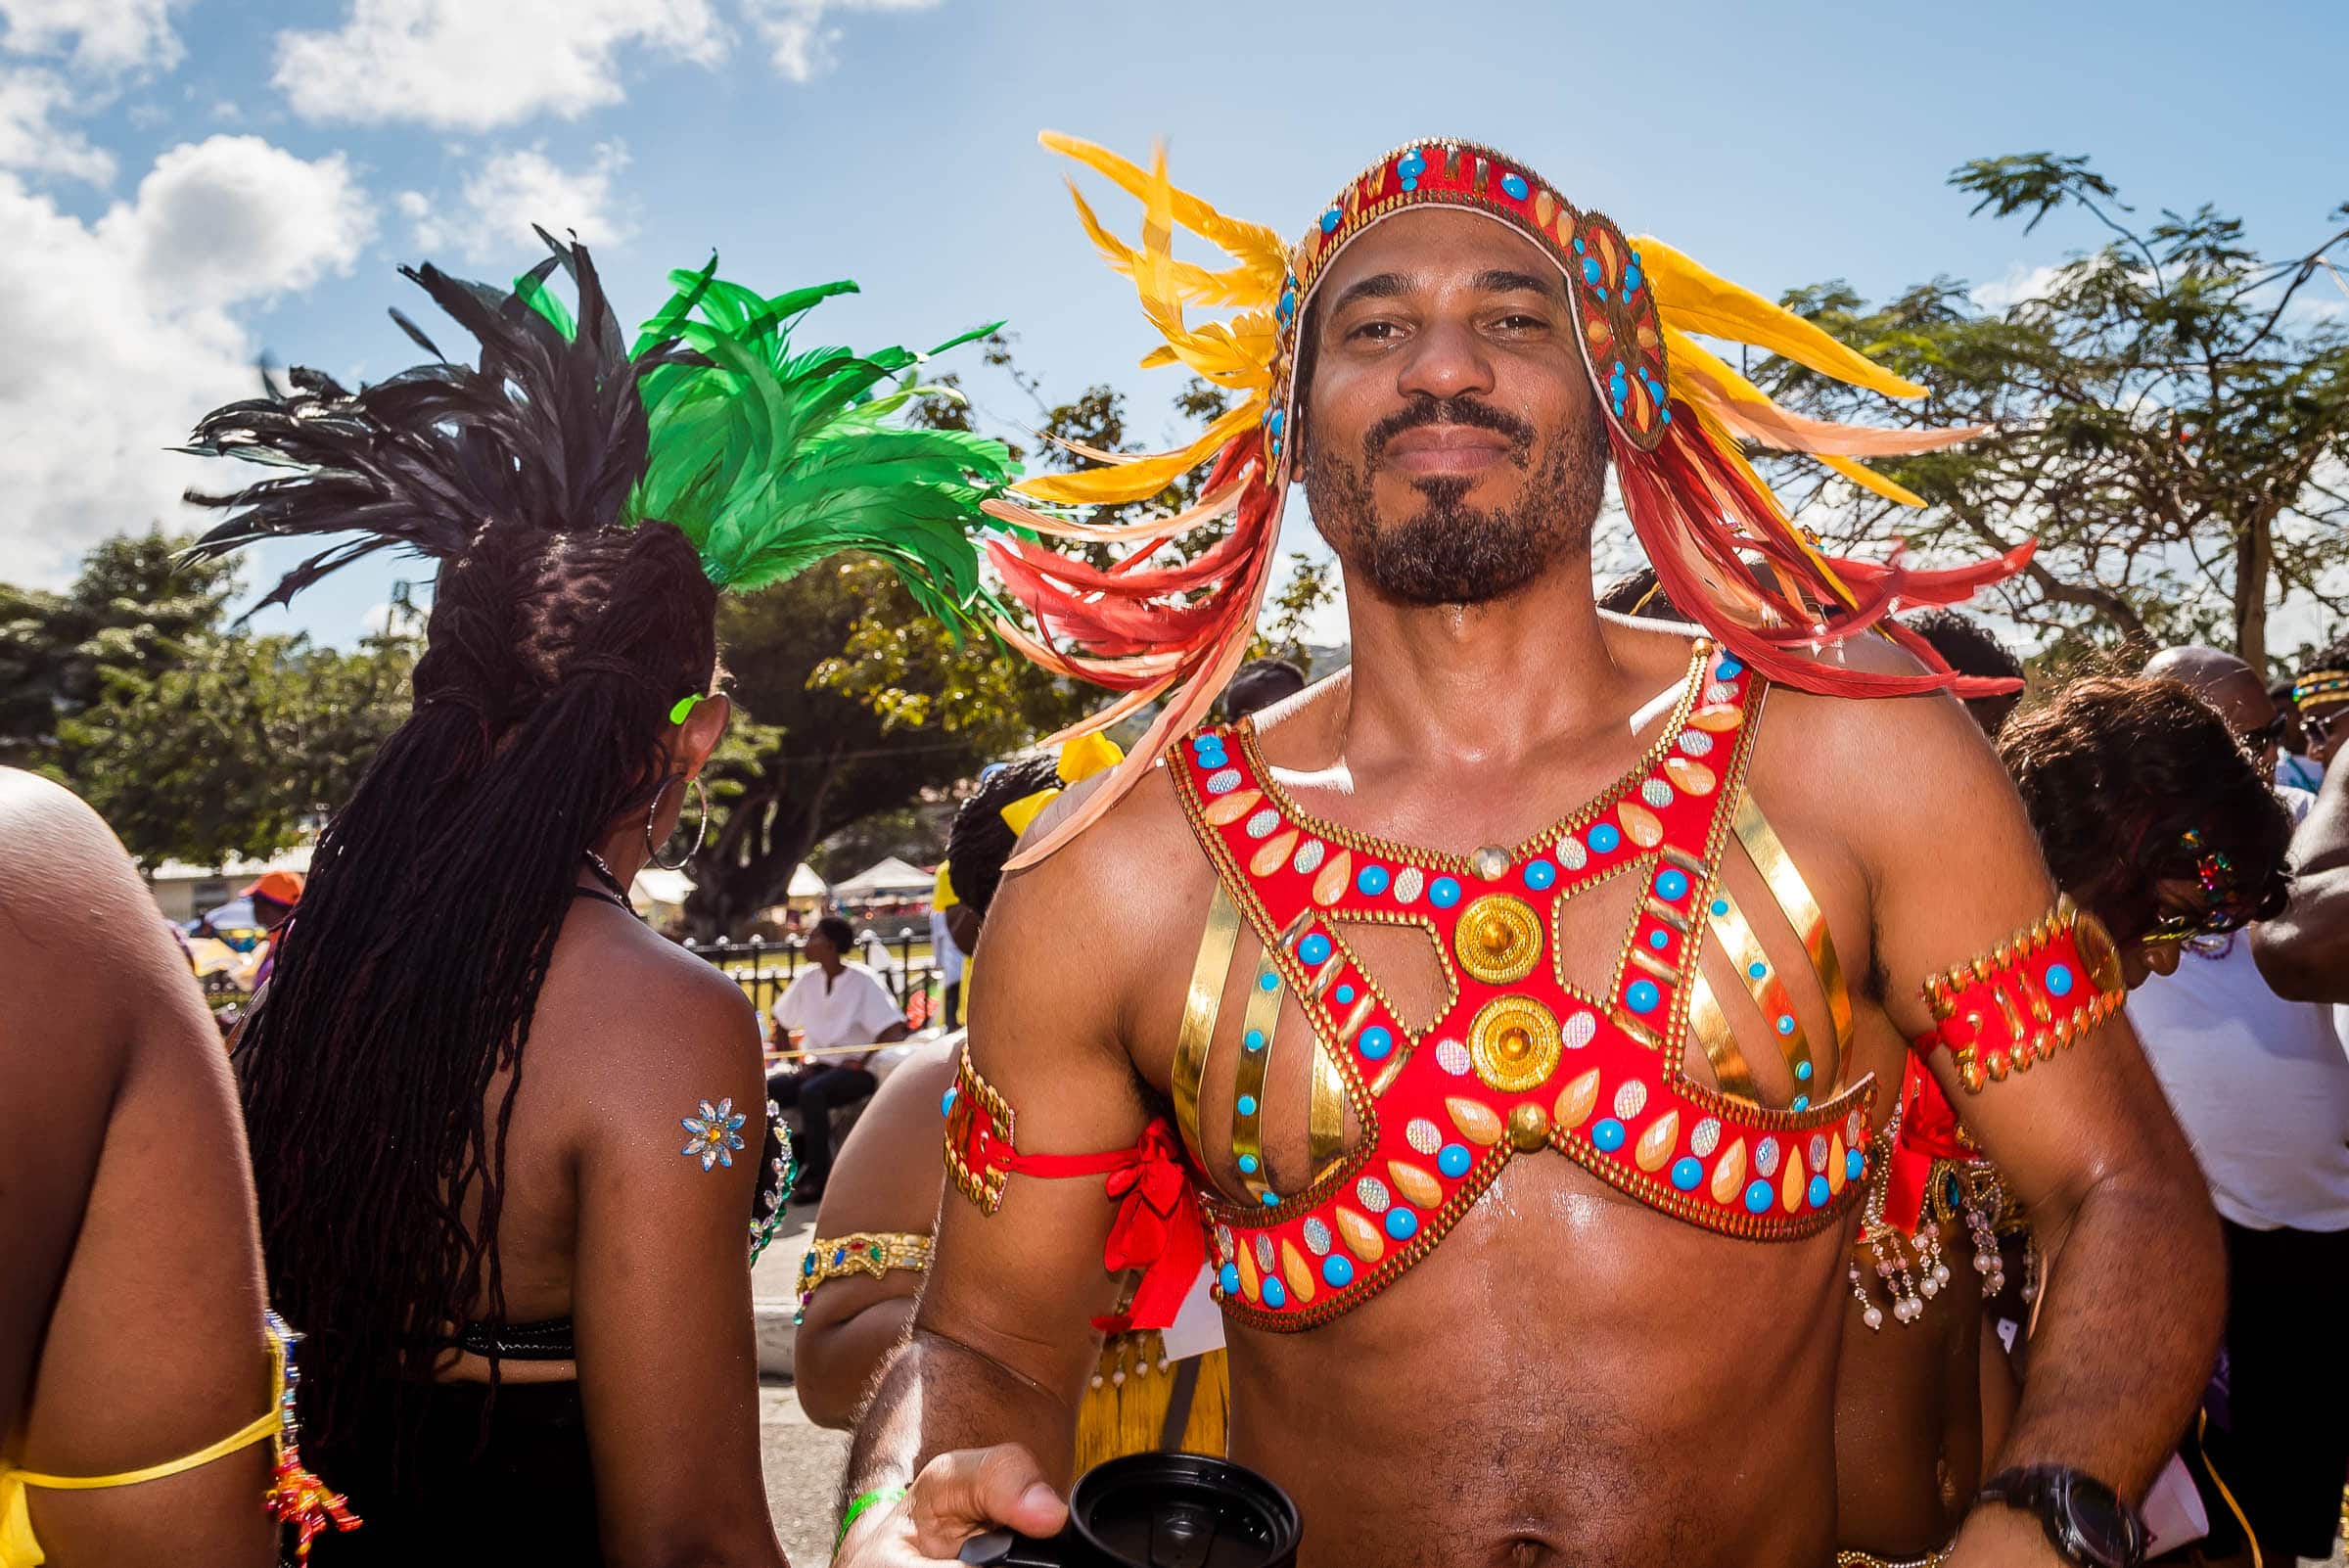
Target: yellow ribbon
1080	758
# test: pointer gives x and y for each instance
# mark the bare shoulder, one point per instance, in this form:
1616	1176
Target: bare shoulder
634	1009
1127	866
61	867
889	1173
1904	754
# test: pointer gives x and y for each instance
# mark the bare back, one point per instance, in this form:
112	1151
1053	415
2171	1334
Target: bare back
131	1304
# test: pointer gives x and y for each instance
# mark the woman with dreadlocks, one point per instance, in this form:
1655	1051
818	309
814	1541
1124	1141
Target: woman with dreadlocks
495	1120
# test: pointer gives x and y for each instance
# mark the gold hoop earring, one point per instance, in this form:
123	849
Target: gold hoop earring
652	850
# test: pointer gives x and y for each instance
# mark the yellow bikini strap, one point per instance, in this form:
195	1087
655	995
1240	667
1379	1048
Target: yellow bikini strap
265	1426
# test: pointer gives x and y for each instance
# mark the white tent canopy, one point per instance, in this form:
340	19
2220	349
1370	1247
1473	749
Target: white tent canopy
892	878
806	884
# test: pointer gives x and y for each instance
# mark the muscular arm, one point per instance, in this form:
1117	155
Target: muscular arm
886	1179
1002	1341
668	1367
2303	953
2084	1139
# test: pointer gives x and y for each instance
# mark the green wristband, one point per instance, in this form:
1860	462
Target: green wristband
878	1496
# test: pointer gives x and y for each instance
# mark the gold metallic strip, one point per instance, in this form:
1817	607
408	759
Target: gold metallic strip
1248	1084
1730	1075
1199	1009
1668	914
1802	912
1326	1125
1768	992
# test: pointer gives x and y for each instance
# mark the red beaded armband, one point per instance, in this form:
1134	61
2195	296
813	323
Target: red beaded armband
2039	989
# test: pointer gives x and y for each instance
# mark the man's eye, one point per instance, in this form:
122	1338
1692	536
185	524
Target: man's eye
1524	323
1375	330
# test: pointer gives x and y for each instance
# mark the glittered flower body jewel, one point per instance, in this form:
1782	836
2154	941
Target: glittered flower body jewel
717	1134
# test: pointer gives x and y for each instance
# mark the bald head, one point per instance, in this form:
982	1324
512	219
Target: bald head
2227	685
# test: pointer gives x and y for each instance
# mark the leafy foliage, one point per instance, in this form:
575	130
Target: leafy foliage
2172	418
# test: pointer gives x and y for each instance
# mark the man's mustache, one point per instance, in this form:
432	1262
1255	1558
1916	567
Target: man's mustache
1424	410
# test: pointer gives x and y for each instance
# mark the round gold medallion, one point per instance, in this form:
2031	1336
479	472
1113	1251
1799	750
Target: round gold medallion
1513	1044
1499	939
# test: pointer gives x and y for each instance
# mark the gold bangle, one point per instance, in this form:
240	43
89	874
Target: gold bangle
873	1253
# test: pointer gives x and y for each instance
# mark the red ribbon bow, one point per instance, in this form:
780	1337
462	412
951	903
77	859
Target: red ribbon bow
1930	1131
1157	1229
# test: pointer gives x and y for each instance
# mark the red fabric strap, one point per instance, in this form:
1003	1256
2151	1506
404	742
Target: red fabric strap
2036	991
1157	1229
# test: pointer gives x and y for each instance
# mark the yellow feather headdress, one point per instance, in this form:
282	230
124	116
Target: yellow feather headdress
1678	417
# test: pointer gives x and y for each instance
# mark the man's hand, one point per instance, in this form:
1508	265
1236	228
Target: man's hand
957	1496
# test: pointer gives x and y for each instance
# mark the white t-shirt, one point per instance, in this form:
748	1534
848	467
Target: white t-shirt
2260	1085
942	949
851	1011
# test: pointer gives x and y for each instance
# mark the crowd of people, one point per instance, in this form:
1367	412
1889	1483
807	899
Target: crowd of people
1636	1074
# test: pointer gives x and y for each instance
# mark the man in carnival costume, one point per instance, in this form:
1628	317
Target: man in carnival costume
1522	976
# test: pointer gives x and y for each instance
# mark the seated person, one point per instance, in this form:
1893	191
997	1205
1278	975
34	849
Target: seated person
833	1004
872	1237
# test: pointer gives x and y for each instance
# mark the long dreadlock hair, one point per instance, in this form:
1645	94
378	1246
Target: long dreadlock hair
557	642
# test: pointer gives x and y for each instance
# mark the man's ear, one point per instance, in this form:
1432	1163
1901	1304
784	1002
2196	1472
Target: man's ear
695	739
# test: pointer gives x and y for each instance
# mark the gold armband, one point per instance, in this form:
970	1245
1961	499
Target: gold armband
2039	989
873	1253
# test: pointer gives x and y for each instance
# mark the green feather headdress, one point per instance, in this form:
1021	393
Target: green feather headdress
767	458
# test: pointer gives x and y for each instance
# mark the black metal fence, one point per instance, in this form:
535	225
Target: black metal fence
765	969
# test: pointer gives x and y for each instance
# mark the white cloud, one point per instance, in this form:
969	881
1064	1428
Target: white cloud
477	65
492	215
798	40
105	36
31	139
121	331
2023	282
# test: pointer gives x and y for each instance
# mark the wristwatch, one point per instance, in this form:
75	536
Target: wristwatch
2084	1517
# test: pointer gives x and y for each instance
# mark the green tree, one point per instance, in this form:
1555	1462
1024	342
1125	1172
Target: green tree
131	612
2171	413
241	748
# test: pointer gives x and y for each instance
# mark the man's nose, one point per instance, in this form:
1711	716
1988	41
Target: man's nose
1446	359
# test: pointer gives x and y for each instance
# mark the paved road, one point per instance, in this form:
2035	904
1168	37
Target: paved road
802	1474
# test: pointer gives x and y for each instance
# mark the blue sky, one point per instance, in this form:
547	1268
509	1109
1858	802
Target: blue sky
187	185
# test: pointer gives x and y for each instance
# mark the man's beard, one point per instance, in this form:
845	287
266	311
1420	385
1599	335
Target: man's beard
1450	552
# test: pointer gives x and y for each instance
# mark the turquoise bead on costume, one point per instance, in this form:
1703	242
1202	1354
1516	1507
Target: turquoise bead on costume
1641	997
1756	1197
1454	1160
1605	838
1729	669
1248	1164
1854	1162
1443	893
1721	907
1659	938
1315	949
1377	1042
1540	874
1515	185
1687	1173
1271	1200
1336	1271
1228	1277
1816	1193
1331	219
1672	885
1268	981
1343	994
946	1101
1785	1023
1802	1102
1401	1224
1247	1105
1372	880
1254	1039
1276	1294
1758	969
2059	980
1608	1135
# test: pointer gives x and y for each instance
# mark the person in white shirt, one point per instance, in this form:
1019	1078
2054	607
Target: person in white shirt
831	1004
2260	1085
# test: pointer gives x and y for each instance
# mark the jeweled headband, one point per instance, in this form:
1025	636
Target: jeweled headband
1678	418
